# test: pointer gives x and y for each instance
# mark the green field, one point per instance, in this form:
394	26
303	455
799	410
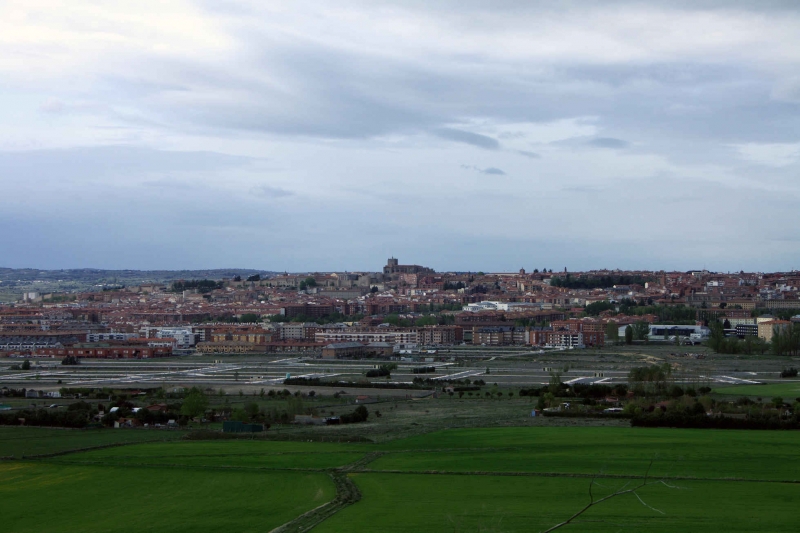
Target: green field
19	441
65	498
463	480
788	390
398	503
585	450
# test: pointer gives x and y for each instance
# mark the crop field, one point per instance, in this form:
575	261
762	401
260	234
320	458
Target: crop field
502	479
28	441
395	503
788	390
610	451
62	498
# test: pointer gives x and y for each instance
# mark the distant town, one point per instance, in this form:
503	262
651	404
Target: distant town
404	310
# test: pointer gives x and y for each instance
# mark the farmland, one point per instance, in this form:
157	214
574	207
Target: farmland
495	504
34	496
40	441
425	460
788	390
491	479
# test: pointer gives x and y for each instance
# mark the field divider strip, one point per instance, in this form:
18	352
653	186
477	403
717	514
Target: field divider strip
357	467
575	475
265	454
185	466
87	449
347	494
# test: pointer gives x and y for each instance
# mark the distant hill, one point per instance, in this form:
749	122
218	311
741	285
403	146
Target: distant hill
15	281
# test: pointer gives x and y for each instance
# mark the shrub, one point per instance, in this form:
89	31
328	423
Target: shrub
360	414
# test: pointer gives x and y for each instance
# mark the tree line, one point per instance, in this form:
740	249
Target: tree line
203	286
594	282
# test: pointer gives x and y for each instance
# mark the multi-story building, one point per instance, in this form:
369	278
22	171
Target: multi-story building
184	337
440	335
105	337
308	310
299	330
245	335
564	339
105	351
766	330
537	336
498	335
392	336
746	330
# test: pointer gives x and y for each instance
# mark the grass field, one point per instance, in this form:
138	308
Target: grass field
462	480
399	503
788	390
681	453
19	441
65	498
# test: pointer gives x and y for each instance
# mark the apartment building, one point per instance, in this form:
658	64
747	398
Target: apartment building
440	335
299	330
392	336
498	335
767	329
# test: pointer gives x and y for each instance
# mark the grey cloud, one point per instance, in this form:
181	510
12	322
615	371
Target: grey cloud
493	171
268	191
489	170
338	93
608	142
108	161
475	139
299	88
582	189
52	105
787	90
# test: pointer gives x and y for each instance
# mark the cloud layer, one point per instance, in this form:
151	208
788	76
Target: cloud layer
332	135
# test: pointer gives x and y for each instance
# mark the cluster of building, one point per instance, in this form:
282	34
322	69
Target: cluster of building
375	313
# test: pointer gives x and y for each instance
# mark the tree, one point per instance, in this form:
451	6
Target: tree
641	330
595	308
26	365
612	331
251	409
652	378
555	383
628	335
195	403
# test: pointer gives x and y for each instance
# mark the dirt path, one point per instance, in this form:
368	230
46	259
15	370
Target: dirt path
347	494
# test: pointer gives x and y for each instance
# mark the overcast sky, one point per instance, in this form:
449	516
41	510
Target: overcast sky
461	135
